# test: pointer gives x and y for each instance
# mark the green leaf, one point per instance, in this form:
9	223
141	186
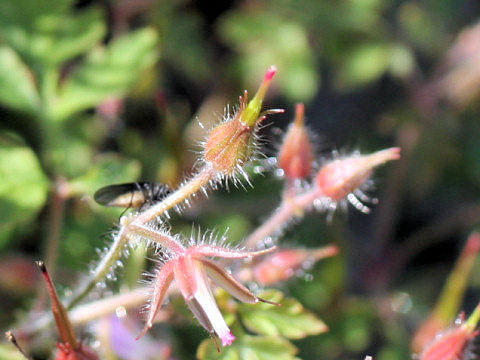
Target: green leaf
107	169
17	88
108	72
264	39
23	188
247	347
8	351
290	320
49	32
370	61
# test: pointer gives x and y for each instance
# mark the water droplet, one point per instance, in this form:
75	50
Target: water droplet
308	277
318	204
258	169
119	264
300	273
401	303
121	312
279	173
272	160
308	263
268	241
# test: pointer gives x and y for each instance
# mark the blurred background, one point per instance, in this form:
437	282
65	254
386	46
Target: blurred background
100	92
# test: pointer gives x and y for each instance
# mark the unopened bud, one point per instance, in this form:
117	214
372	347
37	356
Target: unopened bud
252	111
340	177
111	108
231	144
283	264
451	296
453	344
296	155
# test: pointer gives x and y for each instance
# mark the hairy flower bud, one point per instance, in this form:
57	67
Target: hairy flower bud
296	154
340	177
232	143
453	343
451	296
281	265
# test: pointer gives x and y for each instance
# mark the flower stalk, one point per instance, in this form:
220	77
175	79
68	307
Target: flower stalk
240	147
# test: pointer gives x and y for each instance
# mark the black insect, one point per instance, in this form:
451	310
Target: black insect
131	195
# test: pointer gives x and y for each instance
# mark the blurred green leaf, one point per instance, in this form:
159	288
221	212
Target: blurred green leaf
8	351
370	61
23	188
49	32
186	48
17	88
290	320
247	347
107	72
107	169
264	39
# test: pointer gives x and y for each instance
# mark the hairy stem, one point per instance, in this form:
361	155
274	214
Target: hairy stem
103	268
291	207
198	182
134	225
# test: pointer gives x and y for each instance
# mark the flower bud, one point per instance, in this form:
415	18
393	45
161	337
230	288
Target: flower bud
283	264
451	296
340	177
453	343
231	144
111	108
296	154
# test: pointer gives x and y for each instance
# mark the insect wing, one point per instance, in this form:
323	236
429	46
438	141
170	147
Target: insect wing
120	195
131	194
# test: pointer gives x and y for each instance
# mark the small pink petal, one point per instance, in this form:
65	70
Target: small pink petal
227	339
272	70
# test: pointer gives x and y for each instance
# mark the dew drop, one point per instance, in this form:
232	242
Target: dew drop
308	277
272	160
119	264
300	273
268	241
317	204
121	312
258	169
401	303
308	263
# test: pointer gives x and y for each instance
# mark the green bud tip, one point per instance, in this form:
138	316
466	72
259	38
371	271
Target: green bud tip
252	111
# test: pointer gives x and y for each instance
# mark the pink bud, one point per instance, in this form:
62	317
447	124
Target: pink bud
452	294
453	343
232	143
449	345
111	108
282	265
340	177
296	154
229	145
